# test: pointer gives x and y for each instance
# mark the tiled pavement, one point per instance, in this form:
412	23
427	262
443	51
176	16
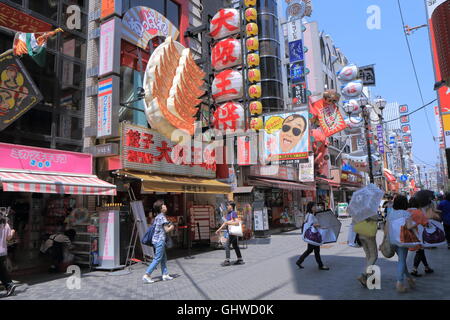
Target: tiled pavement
269	273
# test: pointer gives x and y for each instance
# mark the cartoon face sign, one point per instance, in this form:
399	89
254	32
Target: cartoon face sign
292	132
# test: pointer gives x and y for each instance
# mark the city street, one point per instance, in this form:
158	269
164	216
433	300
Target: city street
269	273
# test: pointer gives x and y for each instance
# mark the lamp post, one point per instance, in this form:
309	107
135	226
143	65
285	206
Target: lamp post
366	110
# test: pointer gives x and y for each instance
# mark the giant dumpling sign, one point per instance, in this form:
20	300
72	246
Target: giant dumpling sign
172	82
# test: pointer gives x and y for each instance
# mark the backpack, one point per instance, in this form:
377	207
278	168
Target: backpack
148	236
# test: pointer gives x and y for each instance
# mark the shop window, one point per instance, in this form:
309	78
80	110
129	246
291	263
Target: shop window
268	26
270	68
37	121
269	6
47	8
270	48
73	46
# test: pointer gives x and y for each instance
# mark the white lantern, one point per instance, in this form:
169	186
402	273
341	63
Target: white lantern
229	117
226	53
352	106
354	122
225	23
348	73
227	85
352	89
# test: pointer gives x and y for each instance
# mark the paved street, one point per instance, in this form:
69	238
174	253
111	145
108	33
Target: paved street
269	273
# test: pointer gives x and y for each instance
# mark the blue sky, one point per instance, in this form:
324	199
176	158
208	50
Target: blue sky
345	21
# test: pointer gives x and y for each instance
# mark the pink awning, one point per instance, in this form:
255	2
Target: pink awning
42	182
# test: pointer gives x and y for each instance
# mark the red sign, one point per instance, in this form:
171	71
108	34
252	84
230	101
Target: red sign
17	20
404	108
330	119
404	119
406	128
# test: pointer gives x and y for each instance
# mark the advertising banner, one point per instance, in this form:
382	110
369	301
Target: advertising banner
40	159
367	75
297	72
306	170
109	58
330	119
286	136
380	138
108	106
18	93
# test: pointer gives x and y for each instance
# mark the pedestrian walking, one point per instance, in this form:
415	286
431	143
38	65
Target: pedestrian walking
367	231
311	219
399	210
58	247
162	226
230	219
421	208
6	234
444	207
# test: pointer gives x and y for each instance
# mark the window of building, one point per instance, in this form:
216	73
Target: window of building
48	9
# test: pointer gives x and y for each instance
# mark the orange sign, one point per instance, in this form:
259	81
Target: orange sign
19	21
108	7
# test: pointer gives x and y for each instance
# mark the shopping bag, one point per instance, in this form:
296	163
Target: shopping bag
366	228
312	236
351	239
328	236
236	230
432	235
386	248
401	236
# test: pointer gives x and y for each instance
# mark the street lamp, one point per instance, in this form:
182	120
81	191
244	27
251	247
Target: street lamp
366	111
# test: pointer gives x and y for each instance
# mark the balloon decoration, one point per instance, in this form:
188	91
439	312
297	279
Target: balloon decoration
352	107
352	89
225	23
348	73
229	116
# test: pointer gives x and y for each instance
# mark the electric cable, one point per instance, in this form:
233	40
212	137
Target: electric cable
414	67
418	159
408	114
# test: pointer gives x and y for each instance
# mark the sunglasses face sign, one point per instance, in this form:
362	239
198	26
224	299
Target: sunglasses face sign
295	131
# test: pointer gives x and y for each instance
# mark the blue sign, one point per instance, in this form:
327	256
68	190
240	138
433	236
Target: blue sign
296	51
404	178
297	72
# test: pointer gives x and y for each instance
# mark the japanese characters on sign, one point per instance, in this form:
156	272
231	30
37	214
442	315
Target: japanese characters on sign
367	75
141	24
18	93
380	138
225	23
226	53
109	57
17	20
227	85
229	116
107	108
146	150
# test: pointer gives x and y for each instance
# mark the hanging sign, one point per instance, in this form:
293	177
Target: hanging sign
18	93
227	85
296	51
330	119
141	24
367	75
306	170
226	53
225	23
108	107
299	93
229	116
297	72
109	56
380	138
295	30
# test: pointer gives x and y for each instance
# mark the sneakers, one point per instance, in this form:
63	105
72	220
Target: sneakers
11	290
167	277
238	261
226	263
400	287
429	270
412	283
147	279
363	280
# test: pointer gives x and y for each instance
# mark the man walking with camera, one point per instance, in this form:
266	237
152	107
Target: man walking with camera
6	234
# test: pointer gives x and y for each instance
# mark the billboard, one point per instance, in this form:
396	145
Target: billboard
107	108
18	93
286	136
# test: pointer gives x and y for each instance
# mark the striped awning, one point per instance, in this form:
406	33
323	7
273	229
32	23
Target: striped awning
42	182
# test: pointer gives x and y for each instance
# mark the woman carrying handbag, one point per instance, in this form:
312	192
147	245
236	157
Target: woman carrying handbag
311	220
162	226
232	222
